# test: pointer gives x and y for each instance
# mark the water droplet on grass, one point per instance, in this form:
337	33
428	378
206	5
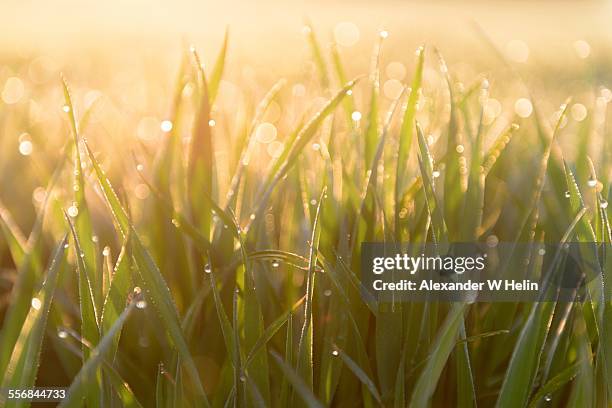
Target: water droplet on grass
26	147
166	126
567	194
436	173
73	210
62	334
592	182
335	353
141	304
275	263
603	204
66	108
207	268
36	303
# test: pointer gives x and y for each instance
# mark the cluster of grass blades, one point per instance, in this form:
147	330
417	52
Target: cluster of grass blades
245	290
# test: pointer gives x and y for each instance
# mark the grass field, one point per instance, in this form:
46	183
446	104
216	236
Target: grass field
190	236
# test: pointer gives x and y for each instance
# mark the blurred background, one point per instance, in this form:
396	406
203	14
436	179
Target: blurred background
124	57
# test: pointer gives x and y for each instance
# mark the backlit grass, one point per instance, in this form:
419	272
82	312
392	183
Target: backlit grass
209	255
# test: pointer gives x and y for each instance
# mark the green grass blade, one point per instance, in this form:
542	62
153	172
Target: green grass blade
154	283
90	321
406	134
25	356
82	219
371	131
120	288
200	162
302	388
359	373
525	360
426	164
218	69
15	240
438	356
315	48
305	350
555	383
79	387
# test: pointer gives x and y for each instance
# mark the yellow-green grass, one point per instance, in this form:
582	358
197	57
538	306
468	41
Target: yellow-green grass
213	259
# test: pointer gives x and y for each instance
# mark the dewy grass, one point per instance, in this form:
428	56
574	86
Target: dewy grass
237	276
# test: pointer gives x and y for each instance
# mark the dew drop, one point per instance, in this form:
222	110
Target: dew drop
592	182
547	398
603	204
335	353
73	210
26	147
166	126
36	303
436	173
62	334
327	292
356	116
275	263
212	123
243	378
139	167
313	202
567	194
460	149
66	108
66	246
492	241
252	217
176	222
207	268
141	304
106	251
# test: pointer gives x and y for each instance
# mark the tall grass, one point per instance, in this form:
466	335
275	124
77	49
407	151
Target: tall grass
235	280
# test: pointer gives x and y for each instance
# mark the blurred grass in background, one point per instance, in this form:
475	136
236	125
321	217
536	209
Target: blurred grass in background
219	261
